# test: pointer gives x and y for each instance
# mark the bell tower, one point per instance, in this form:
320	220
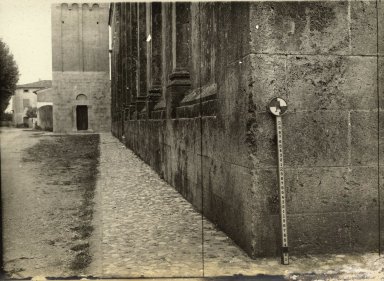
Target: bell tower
80	65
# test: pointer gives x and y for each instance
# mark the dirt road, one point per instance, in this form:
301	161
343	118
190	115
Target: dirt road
45	220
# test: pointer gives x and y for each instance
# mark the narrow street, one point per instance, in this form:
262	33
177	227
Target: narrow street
140	226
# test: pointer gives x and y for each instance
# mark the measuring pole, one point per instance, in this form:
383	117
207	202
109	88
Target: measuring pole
278	106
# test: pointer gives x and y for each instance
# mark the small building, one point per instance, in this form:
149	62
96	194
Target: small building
25	98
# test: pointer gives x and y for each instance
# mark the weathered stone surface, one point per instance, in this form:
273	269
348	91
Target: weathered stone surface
233	32
364	138
314	195
266	231
350	231
331	82
363	27
261	138
381	138
381	192
323	190
380	31
227	199
314	82
294	27
77	44
381	83
266	79
316	138
67	86
309	139
312	55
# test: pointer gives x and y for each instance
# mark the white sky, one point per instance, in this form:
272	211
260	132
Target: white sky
25	26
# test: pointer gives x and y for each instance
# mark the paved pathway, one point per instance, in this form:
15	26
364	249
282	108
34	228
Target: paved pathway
147	229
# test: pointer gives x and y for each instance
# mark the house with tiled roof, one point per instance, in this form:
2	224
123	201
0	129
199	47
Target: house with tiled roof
24	98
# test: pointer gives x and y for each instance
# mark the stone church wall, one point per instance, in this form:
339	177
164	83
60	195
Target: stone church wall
197	113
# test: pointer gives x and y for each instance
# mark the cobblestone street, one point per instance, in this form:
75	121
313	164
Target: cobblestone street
147	229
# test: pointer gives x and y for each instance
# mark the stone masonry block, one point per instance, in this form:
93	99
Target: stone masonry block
313	82
332	232
232	32
329	210
185	132
265	191
210	137
309	138
319	190
380	32
227	199
363	27
381	138
364	231
265	205
261	140
336	189
316	138
381	80
331	82
294	27
266	80
381	192
364	138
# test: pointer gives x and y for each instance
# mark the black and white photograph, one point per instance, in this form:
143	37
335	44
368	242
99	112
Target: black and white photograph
218	141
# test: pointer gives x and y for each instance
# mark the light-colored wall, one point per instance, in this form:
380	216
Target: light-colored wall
45	95
80	64
80	37
17	103
67	86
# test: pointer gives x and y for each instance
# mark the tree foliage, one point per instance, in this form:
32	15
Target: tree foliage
31	112
9	75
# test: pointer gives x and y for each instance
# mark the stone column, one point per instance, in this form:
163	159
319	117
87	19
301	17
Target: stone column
179	79
153	55
133	61
142	59
128	62
119	67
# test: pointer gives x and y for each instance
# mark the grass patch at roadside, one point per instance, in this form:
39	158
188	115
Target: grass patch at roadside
69	164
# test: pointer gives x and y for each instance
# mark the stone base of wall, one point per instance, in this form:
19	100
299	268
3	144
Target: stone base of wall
67	87
193	156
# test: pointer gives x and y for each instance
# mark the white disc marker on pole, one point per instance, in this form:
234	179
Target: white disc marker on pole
278	107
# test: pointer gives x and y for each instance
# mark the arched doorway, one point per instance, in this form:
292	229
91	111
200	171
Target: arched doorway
82	117
81	113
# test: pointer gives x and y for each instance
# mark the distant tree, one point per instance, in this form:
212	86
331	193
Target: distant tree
6	116
9	75
31	112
